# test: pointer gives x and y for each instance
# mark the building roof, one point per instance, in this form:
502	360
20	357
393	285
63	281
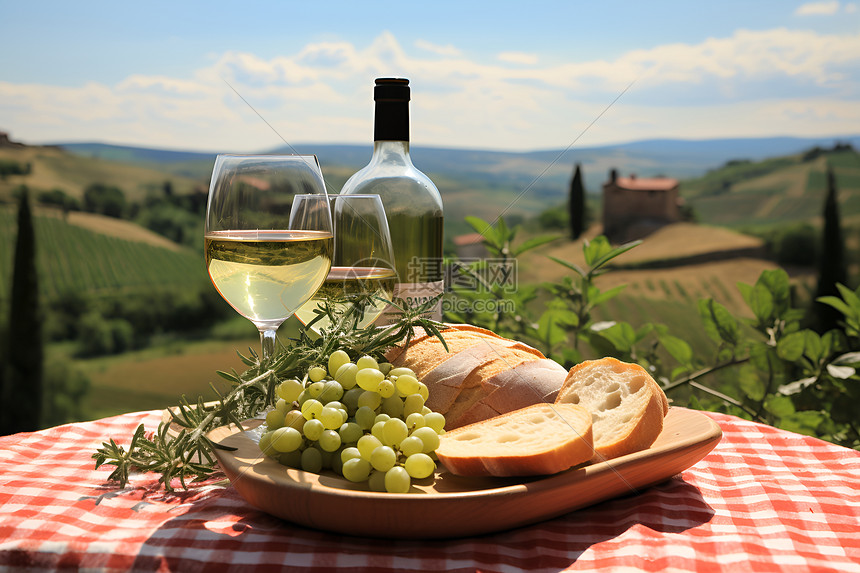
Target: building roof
634	183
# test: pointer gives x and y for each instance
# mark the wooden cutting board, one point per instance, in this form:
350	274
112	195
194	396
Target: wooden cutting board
446	505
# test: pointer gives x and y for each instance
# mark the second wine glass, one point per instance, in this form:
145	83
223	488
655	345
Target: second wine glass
362	275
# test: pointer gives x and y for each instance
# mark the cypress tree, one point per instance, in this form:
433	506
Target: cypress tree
832	268
22	392
576	204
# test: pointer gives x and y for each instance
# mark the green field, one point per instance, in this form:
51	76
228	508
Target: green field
71	258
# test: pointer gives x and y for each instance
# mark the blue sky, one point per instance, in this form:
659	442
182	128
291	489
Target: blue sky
496	75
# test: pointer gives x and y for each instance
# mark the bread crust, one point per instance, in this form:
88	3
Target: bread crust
611	437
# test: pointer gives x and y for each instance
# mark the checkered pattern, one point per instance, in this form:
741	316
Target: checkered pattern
763	500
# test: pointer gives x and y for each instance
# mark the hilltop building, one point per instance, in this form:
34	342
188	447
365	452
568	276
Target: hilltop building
634	207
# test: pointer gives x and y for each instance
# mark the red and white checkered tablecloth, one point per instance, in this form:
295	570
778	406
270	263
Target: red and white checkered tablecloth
762	500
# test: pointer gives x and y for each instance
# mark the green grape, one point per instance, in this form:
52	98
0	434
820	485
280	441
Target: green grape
411	404
383	458
289	390
329	441
385	367
381	418
370	399
401	370
347	454
366	444
356	469
423	391
346	375
425	410
367	362
350	432
316	389
331	418
336	404
394	431
317	373
311	409
332	392
266	444
419	466
313	429
286	439
376	481
435	420
429	437
369	378
304	397
376	431
291	459
411	445
415	420
365	417
312	460
392	406
386	388
407	384
274	419
283	406
350	400
294	419
397	480
335	360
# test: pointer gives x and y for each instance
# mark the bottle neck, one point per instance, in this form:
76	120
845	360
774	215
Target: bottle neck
391	120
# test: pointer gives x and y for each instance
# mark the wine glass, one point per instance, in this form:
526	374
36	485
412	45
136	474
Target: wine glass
267	255
362	275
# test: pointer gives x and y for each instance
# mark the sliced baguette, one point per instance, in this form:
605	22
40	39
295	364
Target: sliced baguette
626	404
537	440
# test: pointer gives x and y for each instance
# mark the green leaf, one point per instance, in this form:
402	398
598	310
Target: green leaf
778	284
791	346
762	302
595	249
574	267
485	229
778	405
679	349
751	384
813	347
603	296
549	329
533	243
836	303
719	323
620	335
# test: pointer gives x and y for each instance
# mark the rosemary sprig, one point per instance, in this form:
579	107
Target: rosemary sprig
188	455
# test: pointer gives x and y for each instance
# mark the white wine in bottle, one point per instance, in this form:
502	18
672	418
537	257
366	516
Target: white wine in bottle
412	202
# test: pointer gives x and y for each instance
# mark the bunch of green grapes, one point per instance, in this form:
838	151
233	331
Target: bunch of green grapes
364	420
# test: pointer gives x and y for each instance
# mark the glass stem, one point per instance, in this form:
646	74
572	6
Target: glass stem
267	341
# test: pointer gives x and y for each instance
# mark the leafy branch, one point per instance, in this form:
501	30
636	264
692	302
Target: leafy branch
189	454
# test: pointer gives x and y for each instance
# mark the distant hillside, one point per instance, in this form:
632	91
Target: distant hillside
545	172
53	168
776	191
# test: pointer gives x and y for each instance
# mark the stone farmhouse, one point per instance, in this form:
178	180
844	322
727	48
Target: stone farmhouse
634	207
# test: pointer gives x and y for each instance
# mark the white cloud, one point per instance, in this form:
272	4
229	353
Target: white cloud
850	8
518	58
826	8
750	83
447	50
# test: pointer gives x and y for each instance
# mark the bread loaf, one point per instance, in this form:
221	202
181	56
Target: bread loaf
481	375
626	404
536	440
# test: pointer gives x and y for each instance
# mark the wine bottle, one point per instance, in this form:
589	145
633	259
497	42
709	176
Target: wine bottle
412	203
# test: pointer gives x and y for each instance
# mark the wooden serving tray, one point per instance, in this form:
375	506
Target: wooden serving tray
452	506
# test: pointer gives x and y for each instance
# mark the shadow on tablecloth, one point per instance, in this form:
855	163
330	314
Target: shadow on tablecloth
221	532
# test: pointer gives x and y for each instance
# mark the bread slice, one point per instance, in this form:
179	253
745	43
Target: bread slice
536	440
626	404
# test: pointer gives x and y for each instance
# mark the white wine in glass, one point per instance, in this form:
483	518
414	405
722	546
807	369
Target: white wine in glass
362	276
266	254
